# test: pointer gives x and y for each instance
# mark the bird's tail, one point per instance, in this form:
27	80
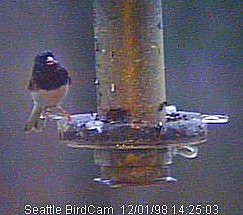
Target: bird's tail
35	122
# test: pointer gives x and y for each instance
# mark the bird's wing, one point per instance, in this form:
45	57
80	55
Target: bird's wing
67	75
32	86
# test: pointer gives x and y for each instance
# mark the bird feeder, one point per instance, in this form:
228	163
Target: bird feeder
134	134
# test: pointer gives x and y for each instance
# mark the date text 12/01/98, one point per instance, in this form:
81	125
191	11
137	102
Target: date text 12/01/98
174	209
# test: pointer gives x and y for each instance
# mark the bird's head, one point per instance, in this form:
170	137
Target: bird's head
45	59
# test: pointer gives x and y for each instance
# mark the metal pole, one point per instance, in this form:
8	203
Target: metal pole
129	59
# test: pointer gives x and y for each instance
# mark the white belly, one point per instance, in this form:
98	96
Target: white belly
50	98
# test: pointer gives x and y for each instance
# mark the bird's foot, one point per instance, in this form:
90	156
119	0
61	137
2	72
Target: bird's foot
66	115
46	114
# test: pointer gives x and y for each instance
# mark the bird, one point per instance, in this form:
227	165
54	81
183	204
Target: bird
48	85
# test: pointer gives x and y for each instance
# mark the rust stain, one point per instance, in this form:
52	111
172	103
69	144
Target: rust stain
130	73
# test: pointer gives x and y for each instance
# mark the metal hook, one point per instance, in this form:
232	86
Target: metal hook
188	151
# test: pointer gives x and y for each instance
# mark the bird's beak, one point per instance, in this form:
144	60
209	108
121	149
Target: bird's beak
50	60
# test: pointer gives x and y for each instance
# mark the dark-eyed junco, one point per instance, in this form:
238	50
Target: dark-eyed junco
48	85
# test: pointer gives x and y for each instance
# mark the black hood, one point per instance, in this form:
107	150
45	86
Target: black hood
41	60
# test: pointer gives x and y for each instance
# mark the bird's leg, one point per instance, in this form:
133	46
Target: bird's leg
65	113
36	121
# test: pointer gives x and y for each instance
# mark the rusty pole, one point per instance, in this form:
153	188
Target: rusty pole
129	59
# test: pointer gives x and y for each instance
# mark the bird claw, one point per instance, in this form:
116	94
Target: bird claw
66	115
46	114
